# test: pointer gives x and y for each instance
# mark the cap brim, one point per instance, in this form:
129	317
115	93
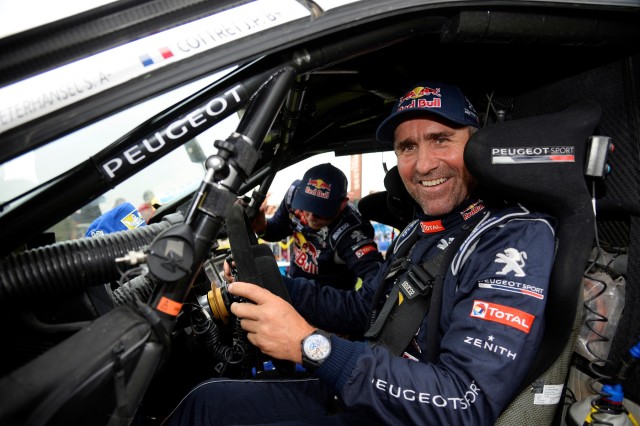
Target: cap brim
387	128
301	201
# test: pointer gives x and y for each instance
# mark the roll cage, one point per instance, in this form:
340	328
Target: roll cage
320	83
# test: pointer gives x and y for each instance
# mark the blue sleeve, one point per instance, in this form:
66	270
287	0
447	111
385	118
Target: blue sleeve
279	225
360	252
490	327
333	309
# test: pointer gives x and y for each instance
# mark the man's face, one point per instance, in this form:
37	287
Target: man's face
431	165
317	222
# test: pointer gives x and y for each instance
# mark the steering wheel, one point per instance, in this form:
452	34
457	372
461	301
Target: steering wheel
255	263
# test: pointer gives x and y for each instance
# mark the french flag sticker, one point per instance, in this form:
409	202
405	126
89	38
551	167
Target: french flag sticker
155	57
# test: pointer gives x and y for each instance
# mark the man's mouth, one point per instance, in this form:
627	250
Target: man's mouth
433	182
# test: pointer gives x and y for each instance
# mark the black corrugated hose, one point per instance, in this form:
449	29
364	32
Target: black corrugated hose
70	266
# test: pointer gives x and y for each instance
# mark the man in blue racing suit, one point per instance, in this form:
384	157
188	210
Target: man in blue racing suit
492	303
332	243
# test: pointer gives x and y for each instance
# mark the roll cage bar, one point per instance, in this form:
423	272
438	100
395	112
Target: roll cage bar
185	120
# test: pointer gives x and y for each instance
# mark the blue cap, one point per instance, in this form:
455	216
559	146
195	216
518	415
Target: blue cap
120	218
321	191
429	97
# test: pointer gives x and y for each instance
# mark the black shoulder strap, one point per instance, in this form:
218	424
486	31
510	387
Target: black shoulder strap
414	293
402	245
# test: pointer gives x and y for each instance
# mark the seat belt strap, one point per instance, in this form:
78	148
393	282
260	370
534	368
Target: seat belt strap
404	309
415	294
397	266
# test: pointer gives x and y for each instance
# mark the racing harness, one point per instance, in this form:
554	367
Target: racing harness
416	292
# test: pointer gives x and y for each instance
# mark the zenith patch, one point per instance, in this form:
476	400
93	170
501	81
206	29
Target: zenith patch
490	345
502	314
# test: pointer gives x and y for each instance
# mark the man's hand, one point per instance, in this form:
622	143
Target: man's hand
228	275
272	324
259	222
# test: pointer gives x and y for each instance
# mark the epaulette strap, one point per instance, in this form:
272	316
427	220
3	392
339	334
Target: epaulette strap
347	223
489	221
406	239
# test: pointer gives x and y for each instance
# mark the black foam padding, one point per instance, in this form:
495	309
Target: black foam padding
269	271
242	239
393	207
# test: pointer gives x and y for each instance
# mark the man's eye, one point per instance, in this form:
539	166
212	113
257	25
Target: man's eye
405	148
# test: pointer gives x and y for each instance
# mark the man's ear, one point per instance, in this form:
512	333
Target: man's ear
344	203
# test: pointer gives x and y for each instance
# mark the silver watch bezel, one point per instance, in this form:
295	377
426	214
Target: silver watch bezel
320	350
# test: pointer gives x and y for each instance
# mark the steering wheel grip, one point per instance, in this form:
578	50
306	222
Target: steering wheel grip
255	263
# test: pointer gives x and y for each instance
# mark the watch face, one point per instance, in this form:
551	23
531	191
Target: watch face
316	347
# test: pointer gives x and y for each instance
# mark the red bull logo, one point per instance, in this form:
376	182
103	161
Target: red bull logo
472	210
318	188
420	92
305	254
319	184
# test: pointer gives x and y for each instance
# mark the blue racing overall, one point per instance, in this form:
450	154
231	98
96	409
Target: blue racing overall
490	326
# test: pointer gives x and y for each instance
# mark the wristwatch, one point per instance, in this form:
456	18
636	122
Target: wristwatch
316	347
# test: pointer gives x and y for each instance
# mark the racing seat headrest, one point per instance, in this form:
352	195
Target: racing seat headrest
393	207
539	161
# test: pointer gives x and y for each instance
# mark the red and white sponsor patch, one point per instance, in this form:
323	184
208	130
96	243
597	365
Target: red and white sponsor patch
502	314
364	250
432	226
472	210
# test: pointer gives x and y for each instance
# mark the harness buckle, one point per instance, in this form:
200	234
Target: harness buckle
416	282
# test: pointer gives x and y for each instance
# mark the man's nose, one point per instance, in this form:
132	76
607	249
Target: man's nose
427	160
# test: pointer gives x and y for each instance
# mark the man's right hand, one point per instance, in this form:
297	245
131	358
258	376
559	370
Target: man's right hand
272	324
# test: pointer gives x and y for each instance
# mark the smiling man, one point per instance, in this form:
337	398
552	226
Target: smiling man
456	362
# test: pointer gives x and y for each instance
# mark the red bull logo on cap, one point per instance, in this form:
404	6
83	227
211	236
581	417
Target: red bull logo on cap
420	92
318	188
417	99
421	104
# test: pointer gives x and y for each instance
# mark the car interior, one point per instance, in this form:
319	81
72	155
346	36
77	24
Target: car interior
128	308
